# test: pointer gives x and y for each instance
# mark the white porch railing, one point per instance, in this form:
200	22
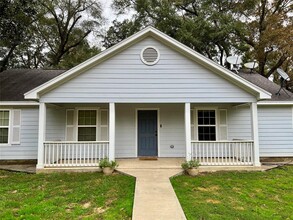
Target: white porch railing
223	153
74	154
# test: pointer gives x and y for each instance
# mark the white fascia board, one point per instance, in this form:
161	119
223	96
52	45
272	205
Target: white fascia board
275	103
34	93
19	103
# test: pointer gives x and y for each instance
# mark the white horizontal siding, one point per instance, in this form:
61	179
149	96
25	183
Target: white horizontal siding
172	131
28	147
125	131
55	124
239	123
125	79
275	131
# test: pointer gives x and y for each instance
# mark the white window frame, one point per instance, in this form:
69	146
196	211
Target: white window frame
196	121
87	126
76	126
9	127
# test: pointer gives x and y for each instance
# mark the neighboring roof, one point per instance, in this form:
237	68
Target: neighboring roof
165	39
15	82
267	85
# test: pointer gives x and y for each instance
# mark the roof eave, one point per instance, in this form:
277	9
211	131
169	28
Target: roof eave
275	103
19	103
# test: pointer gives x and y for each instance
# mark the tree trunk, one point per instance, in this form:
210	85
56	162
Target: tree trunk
5	60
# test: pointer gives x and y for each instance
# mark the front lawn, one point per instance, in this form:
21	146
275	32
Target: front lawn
65	196
237	195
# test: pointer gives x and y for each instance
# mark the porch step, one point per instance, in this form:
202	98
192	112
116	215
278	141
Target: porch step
175	163
159	163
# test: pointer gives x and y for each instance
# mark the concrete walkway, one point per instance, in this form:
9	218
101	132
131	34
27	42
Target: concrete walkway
154	195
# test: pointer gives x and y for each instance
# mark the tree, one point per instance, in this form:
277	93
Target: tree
16	18
258	29
46	33
206	26
65	24
269	33
120	30
78	55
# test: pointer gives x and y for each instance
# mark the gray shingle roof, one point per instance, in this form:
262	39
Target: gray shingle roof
15	82
267	85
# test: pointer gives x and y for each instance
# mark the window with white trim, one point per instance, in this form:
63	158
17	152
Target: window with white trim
87	125
10	123
4	126
206	125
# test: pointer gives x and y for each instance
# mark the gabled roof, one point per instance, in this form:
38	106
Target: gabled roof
165	39
15	82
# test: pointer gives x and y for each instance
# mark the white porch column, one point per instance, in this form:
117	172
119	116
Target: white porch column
42	135
254	124
111	131
187	131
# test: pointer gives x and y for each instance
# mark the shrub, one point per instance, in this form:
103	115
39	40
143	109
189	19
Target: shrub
190	164
106	163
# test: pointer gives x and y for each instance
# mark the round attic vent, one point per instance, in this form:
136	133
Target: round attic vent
150	55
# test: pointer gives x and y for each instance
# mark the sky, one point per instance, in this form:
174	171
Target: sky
109	15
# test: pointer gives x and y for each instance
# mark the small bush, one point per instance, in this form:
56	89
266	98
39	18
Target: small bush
106	163
190	164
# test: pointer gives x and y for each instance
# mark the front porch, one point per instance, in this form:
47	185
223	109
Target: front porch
208	153
222	135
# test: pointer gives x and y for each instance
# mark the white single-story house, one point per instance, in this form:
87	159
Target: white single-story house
147	96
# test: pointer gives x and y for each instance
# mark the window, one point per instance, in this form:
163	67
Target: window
206	125
87	125
4	126
10	126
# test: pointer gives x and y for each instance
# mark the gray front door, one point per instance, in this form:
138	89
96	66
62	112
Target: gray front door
147	133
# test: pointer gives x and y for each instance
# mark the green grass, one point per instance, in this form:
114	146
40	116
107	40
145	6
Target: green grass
65	196
237	195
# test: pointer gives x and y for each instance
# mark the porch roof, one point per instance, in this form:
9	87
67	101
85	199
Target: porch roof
165	39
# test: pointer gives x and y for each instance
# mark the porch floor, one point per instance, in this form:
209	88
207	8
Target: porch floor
175	163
